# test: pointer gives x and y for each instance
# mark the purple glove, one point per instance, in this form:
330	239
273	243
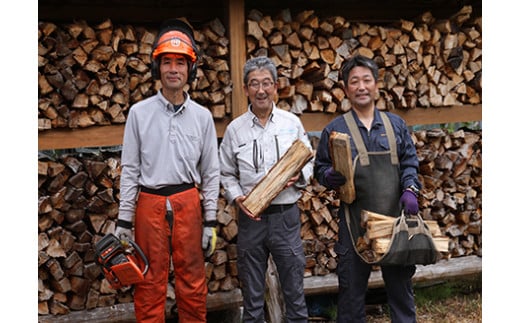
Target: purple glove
409	202
334	179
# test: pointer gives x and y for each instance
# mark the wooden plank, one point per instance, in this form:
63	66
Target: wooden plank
417	116
97	136
456	113
273	295
443	270
100	136
222	300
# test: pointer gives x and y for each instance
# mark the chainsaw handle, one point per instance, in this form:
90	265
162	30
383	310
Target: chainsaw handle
141	254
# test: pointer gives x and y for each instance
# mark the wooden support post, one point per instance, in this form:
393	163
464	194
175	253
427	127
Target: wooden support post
273	294
237	49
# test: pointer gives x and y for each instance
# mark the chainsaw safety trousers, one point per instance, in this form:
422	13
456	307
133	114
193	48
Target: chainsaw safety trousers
156	238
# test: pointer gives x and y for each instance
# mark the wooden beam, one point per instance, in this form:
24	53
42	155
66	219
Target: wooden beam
425	116
100	136
443	270
237	49
418	116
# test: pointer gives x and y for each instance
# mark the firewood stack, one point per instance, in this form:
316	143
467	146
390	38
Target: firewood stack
91	75
423	63
451	175
78	204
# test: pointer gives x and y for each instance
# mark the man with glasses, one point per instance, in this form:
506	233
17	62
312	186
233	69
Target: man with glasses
251	145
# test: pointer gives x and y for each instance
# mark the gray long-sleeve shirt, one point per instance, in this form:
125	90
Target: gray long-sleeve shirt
162	147
248	151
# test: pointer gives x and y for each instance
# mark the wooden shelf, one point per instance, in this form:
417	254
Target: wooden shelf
101	136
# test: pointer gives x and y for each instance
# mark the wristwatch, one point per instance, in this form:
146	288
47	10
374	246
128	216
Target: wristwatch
414	189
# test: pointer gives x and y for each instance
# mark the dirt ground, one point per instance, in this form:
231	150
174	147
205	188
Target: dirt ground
449	302
459	309
452	302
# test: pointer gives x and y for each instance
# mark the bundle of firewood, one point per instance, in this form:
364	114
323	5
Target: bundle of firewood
379	229
91	74
423	63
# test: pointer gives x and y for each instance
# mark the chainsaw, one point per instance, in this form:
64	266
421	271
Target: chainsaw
119	261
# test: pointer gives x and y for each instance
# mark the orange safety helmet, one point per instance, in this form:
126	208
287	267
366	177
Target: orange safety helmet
177	42
175	36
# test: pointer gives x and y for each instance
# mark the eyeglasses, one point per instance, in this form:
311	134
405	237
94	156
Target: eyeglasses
266	85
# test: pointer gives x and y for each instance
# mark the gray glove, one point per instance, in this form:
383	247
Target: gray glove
124	234
209	240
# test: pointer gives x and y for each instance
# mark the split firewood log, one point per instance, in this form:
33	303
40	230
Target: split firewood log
290	164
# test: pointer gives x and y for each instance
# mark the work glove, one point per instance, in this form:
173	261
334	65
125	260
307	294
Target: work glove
209	240
122	232
409	202
333	178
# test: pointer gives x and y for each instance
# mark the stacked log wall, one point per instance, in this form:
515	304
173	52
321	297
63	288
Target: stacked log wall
78	204
90	74
425	62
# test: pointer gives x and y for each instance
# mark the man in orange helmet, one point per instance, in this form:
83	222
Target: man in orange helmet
169	156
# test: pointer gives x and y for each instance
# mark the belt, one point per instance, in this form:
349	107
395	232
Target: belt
168	190
277	208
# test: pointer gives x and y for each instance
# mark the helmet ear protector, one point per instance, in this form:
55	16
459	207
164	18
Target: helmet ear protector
175	36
